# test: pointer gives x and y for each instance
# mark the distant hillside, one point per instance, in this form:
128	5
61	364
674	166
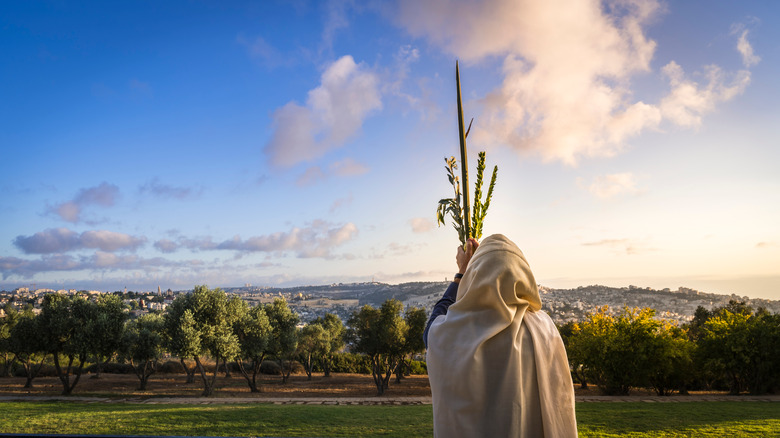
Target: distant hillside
562	304
574	304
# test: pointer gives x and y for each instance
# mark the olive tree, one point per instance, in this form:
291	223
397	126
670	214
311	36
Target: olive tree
106	325
284	335
142	345
65	322
336	332
182	338
313	343
380	335
202	324
254	335
416	319
7	324
26	342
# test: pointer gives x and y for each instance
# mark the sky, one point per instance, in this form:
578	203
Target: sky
275	143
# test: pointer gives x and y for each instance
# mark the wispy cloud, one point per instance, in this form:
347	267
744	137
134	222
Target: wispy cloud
260	49
627	246
749	58
609	186
311	176
336	12
566	95
60	240
140	88
421	225
156	188
344	168
99	261
317	239
688	100
166	245
340	202
103	195
333	114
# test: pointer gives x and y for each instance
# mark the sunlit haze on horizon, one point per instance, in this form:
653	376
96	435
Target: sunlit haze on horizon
275	143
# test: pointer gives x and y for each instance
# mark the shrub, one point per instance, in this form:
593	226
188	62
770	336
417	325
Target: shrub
418	367
46	371
170	367
350	363
111	368
270	367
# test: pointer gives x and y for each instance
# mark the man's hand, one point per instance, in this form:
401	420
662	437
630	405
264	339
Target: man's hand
464	256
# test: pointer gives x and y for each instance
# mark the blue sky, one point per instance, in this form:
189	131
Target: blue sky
286	143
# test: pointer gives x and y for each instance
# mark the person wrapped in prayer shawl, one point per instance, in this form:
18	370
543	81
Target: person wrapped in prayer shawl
496	362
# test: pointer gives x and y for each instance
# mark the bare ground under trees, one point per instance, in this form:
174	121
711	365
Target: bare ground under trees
174	385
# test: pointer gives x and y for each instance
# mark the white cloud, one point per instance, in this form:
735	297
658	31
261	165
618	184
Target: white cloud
110	241
608	186
166	245
421	225
104	195
59	240
688	101
333	114
567	68
293	139
316	239
749	58
100	261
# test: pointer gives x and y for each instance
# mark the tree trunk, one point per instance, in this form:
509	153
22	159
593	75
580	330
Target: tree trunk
735	386
399	370
255	371
144	372
326	365
376	372
206	389
285	375
7	364
580	375
208	385
98	366
31	369
190	373
249	380
65	376
307	364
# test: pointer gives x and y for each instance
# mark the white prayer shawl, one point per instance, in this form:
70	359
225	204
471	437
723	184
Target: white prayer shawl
496	362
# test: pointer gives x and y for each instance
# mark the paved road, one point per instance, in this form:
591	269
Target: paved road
372	400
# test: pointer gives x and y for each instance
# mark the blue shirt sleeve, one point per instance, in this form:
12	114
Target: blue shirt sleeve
441	307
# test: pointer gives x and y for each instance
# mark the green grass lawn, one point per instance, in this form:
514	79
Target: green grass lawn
633	419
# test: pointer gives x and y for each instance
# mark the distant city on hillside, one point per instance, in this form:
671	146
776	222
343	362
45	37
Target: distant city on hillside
310	302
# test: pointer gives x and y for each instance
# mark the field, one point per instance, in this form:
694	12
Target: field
631	419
